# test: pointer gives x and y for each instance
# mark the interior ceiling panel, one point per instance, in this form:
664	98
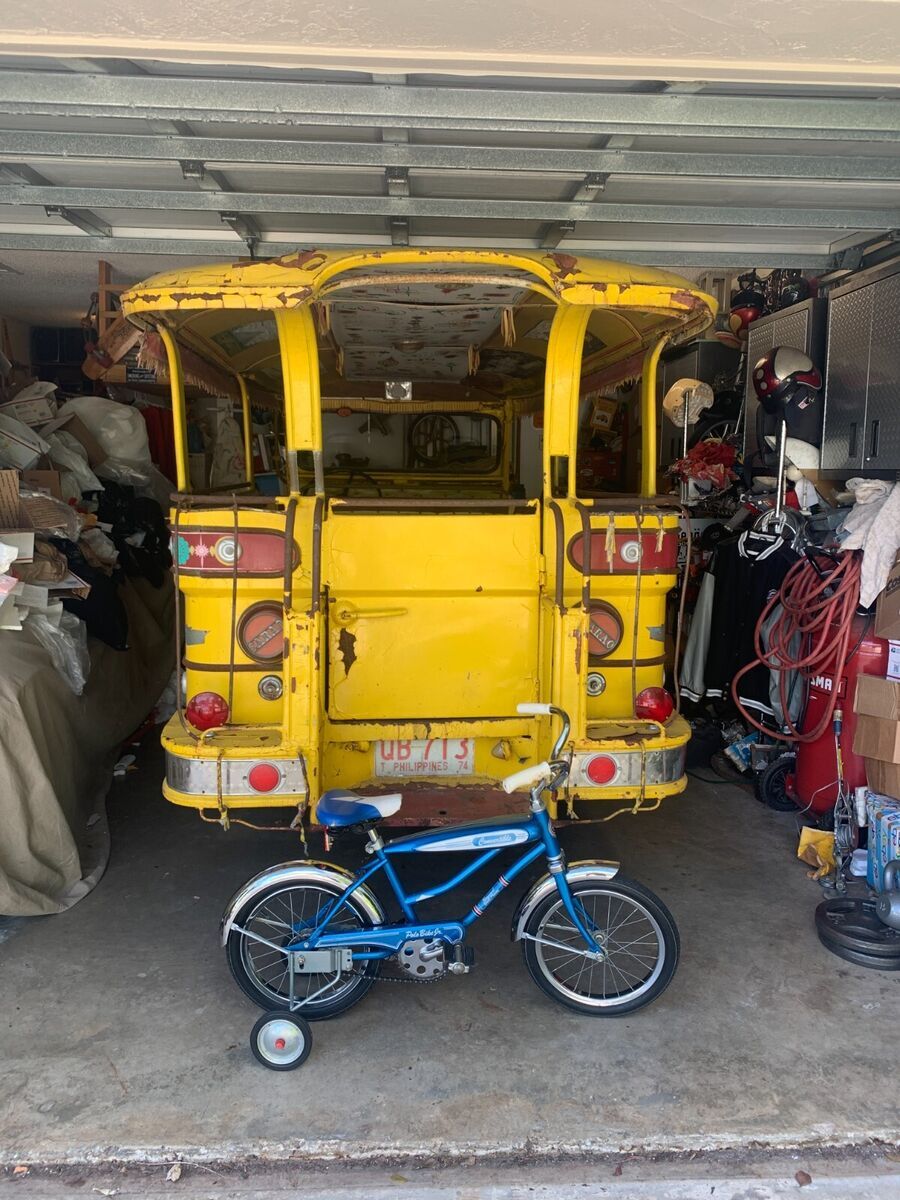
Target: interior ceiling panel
143	161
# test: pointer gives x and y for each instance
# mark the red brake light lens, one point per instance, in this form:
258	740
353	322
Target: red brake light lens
264	777
207	710
601	769
654	704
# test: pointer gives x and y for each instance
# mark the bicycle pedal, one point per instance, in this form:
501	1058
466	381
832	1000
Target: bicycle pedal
462	959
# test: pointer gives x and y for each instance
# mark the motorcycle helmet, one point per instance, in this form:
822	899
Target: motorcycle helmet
794	289
785	376
747	303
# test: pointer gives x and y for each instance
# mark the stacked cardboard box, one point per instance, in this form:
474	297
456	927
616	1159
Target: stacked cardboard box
877	737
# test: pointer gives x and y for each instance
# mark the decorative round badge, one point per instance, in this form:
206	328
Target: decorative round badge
261	632
604	629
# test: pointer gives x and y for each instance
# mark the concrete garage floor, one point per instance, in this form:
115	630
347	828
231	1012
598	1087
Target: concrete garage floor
122	1034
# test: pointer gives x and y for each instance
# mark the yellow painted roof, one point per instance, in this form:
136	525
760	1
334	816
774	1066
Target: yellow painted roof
633	305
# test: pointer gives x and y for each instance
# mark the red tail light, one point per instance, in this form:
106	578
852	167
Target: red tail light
264	777
654	704
601	769
207	710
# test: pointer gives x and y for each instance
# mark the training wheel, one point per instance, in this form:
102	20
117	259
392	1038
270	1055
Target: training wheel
281	1041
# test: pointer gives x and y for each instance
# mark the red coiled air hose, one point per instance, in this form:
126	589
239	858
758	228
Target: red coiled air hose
820	607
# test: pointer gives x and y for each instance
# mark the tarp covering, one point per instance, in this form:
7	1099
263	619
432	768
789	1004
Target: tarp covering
57	751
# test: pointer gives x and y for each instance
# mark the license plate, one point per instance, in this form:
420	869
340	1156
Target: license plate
425	756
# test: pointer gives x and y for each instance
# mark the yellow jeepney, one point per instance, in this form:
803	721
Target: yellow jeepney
430	563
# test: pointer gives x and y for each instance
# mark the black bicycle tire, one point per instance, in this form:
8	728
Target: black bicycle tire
635	891
321	1012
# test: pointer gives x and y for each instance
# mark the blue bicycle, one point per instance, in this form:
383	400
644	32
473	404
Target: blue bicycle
306	940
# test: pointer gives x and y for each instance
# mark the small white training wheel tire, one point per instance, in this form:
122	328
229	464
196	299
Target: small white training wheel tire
281	1041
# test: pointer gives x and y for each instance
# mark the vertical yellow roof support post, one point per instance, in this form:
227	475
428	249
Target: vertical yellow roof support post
562	383
649	416
302	400
248	429
179	416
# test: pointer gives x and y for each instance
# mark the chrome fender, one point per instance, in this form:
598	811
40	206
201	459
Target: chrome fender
300	871
588	869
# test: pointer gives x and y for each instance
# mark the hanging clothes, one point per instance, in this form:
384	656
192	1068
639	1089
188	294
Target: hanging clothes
748	570
693	666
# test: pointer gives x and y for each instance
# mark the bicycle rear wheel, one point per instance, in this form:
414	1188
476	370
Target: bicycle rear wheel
632	925
280	914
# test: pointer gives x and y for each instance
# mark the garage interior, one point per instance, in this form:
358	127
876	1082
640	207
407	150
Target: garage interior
125	1037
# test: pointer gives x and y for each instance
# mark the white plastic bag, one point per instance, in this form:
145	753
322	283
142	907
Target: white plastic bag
66	643
145	478
68	453
120	429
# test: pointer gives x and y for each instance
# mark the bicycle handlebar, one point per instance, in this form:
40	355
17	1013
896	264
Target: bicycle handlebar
528	777
543	771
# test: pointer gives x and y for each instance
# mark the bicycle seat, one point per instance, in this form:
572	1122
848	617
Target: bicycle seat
339	808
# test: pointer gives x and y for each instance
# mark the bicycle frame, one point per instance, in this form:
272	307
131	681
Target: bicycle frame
382	941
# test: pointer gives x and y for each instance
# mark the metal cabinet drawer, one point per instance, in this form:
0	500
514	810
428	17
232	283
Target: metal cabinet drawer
881	448
849	338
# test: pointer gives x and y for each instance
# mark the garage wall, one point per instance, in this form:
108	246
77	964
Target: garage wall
19	335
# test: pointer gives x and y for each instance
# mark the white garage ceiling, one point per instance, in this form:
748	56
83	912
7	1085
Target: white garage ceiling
787	156
824	42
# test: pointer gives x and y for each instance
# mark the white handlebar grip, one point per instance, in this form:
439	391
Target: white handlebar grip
527	777
534	710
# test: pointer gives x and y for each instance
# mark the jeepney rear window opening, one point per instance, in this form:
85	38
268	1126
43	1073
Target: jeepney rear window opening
431	383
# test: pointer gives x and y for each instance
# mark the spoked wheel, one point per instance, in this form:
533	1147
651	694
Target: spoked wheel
431	436
281	1041
280	915
772	784
635	929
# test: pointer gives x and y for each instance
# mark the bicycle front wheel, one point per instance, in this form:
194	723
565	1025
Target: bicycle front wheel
634	928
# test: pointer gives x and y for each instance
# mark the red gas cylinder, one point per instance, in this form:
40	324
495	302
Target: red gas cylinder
813	785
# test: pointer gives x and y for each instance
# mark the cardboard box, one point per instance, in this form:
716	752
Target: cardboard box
15	527
877	697
30	412
33	404
9	498
893	667
887	610
77	428
603	413
879	739
48	481
20	445
883	777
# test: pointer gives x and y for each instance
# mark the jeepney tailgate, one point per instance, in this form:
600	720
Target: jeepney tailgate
431	616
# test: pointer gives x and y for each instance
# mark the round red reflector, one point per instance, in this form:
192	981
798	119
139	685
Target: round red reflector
280	1043
264	777
207	710
601	769
654	704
